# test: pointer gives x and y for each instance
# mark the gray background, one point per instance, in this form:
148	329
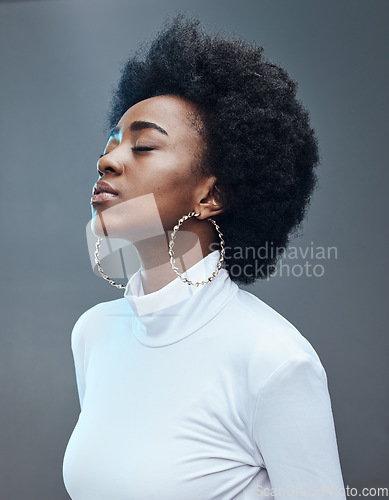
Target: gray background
59	62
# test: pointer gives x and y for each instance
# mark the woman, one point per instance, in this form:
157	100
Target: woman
190	387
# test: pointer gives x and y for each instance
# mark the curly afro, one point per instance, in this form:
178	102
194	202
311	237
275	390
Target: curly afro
259	143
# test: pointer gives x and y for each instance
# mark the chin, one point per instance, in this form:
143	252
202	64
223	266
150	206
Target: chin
134	220
115	228
104	227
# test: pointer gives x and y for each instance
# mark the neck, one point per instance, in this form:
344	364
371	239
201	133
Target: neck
190	246
177	310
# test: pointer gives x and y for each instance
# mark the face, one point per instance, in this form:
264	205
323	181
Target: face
148	161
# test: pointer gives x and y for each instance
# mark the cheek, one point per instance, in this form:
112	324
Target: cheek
174	199
176	182
174	191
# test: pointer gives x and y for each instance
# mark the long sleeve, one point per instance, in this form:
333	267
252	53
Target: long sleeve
294	433
78	348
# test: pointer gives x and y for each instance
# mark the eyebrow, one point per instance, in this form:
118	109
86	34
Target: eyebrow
139	125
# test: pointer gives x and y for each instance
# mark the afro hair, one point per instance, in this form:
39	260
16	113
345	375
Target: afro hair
259	143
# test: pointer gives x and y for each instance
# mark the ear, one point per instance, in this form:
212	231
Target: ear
209	203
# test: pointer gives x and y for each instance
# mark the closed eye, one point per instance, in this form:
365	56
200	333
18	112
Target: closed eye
142	148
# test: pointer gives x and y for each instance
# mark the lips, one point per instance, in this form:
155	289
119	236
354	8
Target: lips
103	192
103	187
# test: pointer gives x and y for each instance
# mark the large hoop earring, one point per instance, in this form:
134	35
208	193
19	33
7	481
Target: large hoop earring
96	254
171	253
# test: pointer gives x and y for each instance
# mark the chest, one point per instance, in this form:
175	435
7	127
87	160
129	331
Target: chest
153	427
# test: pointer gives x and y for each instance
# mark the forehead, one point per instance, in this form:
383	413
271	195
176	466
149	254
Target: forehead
170	112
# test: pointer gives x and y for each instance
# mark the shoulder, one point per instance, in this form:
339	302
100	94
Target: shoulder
265	338
93	319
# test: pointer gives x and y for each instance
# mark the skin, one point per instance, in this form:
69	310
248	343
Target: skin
156	188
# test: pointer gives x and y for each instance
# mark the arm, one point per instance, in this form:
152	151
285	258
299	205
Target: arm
78	349
294	433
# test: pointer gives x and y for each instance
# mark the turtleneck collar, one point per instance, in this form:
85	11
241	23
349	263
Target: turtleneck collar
177	310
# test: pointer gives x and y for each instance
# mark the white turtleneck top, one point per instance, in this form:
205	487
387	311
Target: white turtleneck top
198	393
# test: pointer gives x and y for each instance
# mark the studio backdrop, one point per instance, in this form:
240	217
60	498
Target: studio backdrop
60	61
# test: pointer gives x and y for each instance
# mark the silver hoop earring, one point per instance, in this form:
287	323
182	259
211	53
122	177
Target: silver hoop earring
171	253
96	254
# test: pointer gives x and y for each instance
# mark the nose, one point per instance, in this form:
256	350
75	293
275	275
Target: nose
107	163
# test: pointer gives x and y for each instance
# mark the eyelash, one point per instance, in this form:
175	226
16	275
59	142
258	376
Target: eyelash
135	148
142	148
